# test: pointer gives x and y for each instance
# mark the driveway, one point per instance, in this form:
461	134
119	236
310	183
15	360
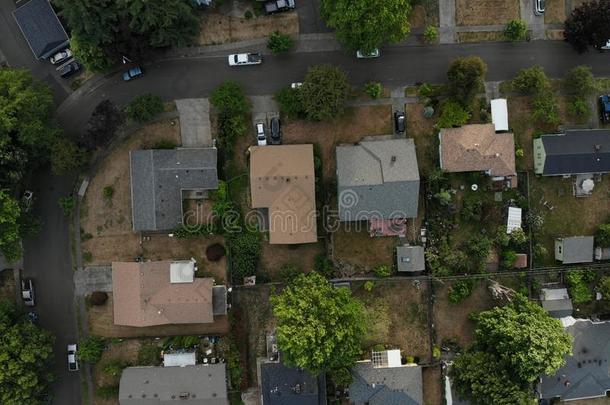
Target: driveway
91	279
195	127
310	21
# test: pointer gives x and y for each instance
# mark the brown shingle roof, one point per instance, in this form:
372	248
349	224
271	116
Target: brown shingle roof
477	147
282	179
144	296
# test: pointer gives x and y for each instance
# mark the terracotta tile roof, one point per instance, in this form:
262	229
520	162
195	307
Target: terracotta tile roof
144	296
477	147
282	180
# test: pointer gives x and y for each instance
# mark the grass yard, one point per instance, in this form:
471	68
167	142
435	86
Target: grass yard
221	29
421	129
357	252
8	284
483	36
397	316
555	12
125	352
571	216
433	385
486	12
274	257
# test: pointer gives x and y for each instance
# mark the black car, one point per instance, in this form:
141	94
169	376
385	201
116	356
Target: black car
399	122
69	69
604	108
276	132
276	6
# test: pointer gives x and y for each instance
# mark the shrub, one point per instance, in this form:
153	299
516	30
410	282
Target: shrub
545	108
91	348
149	354
452	115
215	252
324	265
602	235
373	89
114	368
518	237
98	298
431	34
479	247
466	76
245	252
383	271
460	290
290	102
87	256
144	108
165	144
410	359
66	157
604	287
229	99
248	15
369	285
289	272
531	81
539	251
579	81
578	288
509	258
579	108
515	30
279	42
436	352
108	192
67	205
519	152
108	391
443	197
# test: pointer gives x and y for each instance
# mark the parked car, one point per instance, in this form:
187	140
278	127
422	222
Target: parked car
275	137
27	292
72	357
375	53
61	56
133	73
607	46
261	138
69	69
604	108
539	7
399	122
275	6
27	200
296	85
243	59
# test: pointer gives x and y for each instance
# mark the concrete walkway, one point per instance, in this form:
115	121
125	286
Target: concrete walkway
446	30
195	127
90	279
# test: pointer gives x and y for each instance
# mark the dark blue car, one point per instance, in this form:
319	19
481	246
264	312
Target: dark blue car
132	73
604	107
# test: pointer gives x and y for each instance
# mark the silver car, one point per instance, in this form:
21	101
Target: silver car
27	292
539	7
72	357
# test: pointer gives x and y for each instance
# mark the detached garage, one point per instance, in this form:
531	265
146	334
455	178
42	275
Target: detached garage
41	28
499	114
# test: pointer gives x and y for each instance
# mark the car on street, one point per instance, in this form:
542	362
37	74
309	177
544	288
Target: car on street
604	108
261	137
295	85
275	136
27	199
607	46
276	6
68	69
375	53
27	292
539	7
133	73
61	56
399	122
243	59
72	357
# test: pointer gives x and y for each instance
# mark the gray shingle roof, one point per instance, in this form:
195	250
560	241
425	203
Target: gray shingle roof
219	300
577	249
41	28
386	386
377	178
279	382
575	152
158	178
410	258
586	373
200	384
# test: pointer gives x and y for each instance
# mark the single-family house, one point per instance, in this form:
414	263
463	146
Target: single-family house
282	185
499	114
378	181
410	259
384	380
202	384
41	28
574	249
162	293
161	179
478	148
556	302
586	373
578	151
285	385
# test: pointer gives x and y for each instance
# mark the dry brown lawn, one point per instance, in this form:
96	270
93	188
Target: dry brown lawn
554	35
555	11
433	385
101	323
486	12
221	29
353	245
127	353
422	131
484	36
592	401
417	19
520	121
274	257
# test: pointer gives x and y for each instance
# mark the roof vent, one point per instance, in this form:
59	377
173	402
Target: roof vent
393	159
597	147
296	388
497	154
184	395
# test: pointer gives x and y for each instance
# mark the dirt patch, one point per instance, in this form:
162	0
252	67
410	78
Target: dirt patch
221	29
274	257
433	385
592	401
125	352
397	316
101	323
554	35
483	36
486	12
421	129
417	19
353	245
423	14
555	11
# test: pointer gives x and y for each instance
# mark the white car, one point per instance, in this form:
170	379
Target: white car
607	46
261	138
243	59
375	53
72	357
296	85
539	7
27	292
61	56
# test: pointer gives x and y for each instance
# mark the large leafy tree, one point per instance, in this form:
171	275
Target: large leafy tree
24	363
324	92
102	125
10	240
93	21
319	327
366	24
466	76
588	25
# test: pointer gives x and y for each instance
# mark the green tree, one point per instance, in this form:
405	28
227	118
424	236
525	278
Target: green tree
229	99
373	89
27	353
602	235
578	287
580	81
324	92
291	102
90	54
604	287
279	42
431	34
67	157
515	30
366	24
531	81
579	108
319	327
588	26
466	76
10	238
509	257
93	22
518	236
91	348
460	290
144	108
452	115
545	108
383	271
245	251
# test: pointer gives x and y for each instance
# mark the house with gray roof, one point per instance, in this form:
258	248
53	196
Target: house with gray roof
284	385
556	302
41	28
410	259
586	373
377	178
162	178
574	249
202	384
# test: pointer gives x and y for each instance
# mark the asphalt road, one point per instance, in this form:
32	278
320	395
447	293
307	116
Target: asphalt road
398	65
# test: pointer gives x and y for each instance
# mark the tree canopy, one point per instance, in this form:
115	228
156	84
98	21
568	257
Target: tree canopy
320	327
26	354
588	26
324	92
10	235
466	76
366	24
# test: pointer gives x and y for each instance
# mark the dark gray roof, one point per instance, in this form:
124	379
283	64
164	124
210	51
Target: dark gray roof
219	300
410	258
377	178
200	384
279	382
558	308
577	249
41	28
158	178
575	152
586	373
386	385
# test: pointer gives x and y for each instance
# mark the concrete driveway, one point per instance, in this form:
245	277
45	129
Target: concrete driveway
94	278
195	127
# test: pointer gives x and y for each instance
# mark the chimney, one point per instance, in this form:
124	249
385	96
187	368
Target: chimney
597	147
